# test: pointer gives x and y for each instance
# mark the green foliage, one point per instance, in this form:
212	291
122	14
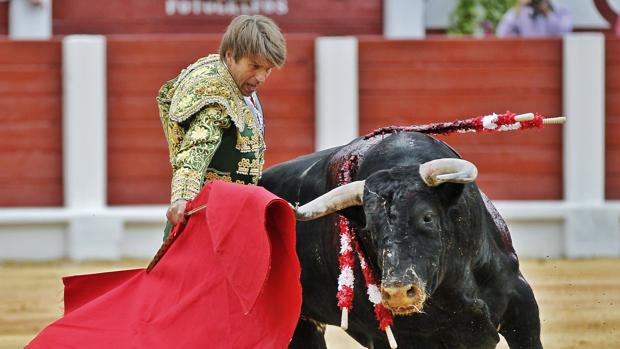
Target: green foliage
477	16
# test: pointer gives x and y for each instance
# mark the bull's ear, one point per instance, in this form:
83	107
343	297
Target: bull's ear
451	192
355	214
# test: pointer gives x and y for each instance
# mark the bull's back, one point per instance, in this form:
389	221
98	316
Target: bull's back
287	179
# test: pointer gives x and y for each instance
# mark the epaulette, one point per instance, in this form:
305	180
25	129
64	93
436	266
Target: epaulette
205	82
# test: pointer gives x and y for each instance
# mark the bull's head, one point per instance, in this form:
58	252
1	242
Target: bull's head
405	218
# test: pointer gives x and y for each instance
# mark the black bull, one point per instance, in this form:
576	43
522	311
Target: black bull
444	247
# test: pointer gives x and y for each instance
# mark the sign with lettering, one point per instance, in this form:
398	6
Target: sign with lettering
316	17
226	7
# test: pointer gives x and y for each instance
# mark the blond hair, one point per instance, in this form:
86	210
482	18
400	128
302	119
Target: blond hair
254	36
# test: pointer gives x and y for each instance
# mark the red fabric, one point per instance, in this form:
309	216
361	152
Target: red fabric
230	280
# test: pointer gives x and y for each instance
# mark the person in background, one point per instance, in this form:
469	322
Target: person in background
535	18
211	115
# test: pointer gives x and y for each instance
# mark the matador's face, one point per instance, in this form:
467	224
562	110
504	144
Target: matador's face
248	72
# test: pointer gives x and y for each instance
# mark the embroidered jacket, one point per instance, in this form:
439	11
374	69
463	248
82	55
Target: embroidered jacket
211	132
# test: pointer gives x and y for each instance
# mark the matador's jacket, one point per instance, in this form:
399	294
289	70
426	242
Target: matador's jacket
211	132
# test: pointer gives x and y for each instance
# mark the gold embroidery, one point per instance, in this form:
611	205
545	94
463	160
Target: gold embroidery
244	166
193	152
212	176
186	184
206	82
249	167
195	108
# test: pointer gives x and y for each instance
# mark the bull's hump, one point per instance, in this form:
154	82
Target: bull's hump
500	223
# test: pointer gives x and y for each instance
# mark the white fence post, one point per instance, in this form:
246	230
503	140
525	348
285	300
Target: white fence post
591	228
404	19
336	91
84	149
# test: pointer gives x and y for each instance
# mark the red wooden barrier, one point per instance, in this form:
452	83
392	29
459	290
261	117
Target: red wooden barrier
612	110
4	18
415	82
400	83
30	136
138	168
325	17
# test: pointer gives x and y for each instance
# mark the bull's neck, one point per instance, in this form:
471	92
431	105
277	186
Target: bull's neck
350	156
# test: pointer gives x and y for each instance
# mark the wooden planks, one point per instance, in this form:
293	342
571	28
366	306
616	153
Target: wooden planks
138	168
321	17
401	82
612	122
30	139
416	82
4	18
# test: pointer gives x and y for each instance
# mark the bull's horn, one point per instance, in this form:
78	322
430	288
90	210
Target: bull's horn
438	171
336	199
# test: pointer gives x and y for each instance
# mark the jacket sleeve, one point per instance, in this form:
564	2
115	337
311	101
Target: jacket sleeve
202	139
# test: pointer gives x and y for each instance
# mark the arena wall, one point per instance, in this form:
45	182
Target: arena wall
320	17
415	82
4	18
138	168
612	108
31	136
531	173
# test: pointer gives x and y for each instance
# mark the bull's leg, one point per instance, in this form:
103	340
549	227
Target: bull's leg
308	335
520	324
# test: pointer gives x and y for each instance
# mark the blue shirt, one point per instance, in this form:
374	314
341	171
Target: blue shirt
555	23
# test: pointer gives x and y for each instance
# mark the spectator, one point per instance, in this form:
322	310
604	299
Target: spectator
535	18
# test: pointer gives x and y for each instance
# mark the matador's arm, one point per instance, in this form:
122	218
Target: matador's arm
196	151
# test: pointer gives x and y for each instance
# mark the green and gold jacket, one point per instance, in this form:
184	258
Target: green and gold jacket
211	132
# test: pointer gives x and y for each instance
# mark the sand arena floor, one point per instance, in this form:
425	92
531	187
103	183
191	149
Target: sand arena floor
579	301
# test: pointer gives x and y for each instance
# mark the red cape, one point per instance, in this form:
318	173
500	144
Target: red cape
229	280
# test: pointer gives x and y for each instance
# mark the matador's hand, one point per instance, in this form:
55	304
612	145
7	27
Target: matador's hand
176	212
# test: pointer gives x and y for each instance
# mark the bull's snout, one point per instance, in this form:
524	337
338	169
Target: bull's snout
403	300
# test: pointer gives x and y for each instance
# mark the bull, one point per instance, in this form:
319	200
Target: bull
442	252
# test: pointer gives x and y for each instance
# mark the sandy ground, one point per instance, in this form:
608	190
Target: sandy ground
579	301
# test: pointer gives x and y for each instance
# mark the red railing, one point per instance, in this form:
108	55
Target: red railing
320	17
31	132
401	83
612	124
416	82
138	168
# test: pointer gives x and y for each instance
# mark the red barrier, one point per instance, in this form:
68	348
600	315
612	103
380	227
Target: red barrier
415	82
138	168
321	17
612	121
4	18
401	82
30	136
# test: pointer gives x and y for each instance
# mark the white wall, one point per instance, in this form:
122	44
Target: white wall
28	21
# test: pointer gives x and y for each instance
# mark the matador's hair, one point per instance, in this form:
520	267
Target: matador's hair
254	36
